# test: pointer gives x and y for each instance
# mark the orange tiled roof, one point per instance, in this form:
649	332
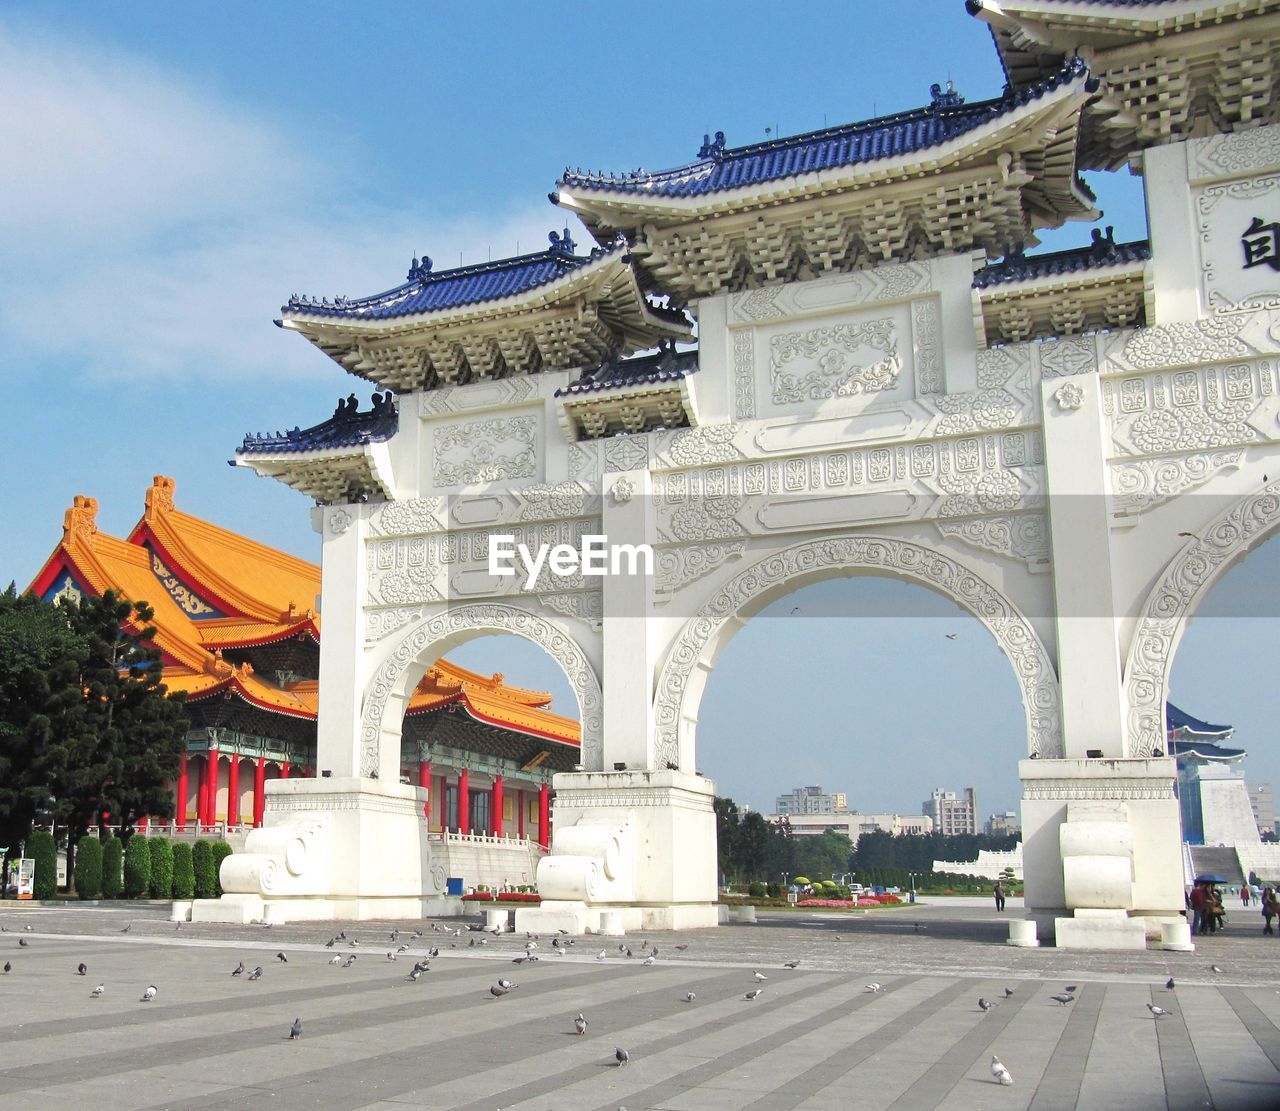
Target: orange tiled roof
268	597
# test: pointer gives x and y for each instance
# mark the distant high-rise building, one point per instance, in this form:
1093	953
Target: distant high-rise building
812	800
952	815
1002	824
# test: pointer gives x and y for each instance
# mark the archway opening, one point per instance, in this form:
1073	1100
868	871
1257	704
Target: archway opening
866	706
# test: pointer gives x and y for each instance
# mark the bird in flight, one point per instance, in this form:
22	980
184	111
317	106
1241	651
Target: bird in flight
1000	1072
952	636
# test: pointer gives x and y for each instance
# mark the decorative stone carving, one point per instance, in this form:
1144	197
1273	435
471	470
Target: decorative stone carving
1221	155
550	502
584	460
424	643
1212	340
691	447
626	453
1186	580
1004	367
977	411
585	605
339	522
1069	397
703	636
1021	536
744	373
485	451
1145	483
479	395
676	568
1225	212
404	571
894	282
409	517
928	352
291	858
381	623
842	360
623	490
1067	356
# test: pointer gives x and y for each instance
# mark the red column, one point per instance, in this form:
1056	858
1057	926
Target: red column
285	768
424	780
495	805
233	790
464	802
180	811
544	816
259	790
520	814
202	793
211	806
442	807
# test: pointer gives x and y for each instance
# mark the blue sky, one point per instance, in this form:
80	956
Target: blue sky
171	175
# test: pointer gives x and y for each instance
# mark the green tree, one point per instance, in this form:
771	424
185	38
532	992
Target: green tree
221	850
161	867
727	823
753	856
137	867
184	873
112	868
41	848
88	873
206	876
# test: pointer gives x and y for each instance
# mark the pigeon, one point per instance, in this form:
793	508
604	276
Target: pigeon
498	991
580	1024
1063	1000
524	960
149	994
1157	1012
414	974
952	636
653	951
621	1056
28	929
920	928
341	935
760	976
984	1006
755	993
601	955
689	996
124	931
1008	992
1214	968
22	942
395	936
530	945
238	970
508	984
424	965
295	1031
97	992
650	959
256	974
349	961
329	944
418	933
7	967
403	949
791	964
82	969
1169	984
335	959
282	958
875	988
1071	989
391	956
628	951
682	948
1000	1072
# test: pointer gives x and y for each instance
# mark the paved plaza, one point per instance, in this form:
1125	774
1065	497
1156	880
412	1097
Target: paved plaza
816	1037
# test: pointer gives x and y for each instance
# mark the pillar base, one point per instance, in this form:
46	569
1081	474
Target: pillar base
1022	933
613	921
1100	929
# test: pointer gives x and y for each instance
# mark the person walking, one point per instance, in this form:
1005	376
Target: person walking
1199	903
1268	909
998	892
1244	893
1215	914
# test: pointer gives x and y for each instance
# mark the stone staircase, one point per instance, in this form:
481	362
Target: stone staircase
1216	860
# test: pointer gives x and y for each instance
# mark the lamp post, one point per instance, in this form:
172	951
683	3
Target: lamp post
785	877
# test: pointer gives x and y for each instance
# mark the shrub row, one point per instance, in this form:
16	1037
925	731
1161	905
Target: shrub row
152	867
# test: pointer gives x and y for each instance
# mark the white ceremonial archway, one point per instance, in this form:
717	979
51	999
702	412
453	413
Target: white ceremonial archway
435	635
683	677
1168	610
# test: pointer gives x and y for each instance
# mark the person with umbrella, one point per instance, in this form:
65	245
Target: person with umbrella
1199	900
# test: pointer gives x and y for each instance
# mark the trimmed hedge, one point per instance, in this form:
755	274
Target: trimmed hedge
161	867
221	850
184	873
44	852
112	868
88	867
137	867
205	873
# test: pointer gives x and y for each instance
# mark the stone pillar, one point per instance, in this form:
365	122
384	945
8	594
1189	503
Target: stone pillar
180	811
233	790
544	816
464	801
424	781
495	807
259	790
1080	536
285	769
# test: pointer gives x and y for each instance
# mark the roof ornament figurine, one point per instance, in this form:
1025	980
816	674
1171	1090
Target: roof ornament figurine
948	99
419	269
1102	246
712	148
562	244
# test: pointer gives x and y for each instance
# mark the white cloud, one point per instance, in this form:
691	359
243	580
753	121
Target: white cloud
151	227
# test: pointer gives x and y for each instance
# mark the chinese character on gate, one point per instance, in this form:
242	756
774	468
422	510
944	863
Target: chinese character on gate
1261	243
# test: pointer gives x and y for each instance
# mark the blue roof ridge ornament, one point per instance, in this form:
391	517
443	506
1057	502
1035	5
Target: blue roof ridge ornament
420	269
562	244
947	98
348	427
712	148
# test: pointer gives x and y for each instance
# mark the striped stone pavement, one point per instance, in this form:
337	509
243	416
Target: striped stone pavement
815	1039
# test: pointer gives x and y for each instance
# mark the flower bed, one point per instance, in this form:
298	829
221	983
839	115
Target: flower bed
502	897
841	904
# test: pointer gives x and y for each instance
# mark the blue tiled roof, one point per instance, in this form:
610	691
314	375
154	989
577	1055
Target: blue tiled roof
1204	750
721	168
1104	251
1177	719
427	291
348	427
667	365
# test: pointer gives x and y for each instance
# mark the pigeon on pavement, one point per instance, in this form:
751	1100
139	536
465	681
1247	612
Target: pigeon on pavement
238	970
256	974
875	988
335	959
349	961
97	992
758	976
1070	989
282	958
580	1024
791	964
149	994
1063	1000
983	1005
415	974
82	969
22	942
690	996
7	967
295	1031
124	931
498	991
650	959
621	1056
1008	992
1157	1012
755	993
1000	1072
1214	968
1169	984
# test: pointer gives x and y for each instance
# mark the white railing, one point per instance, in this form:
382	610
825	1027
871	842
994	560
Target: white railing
191	830
505	840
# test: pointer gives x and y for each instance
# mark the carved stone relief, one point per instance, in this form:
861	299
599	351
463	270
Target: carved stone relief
925	333
1022	536
744	373
676	568
1145	483
1256	149
885	283
626	453
480	395
584	605
406	518
1068	355
1225	212
381	623
485	451
1187	578
404	571
842	360
417	650
702	637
